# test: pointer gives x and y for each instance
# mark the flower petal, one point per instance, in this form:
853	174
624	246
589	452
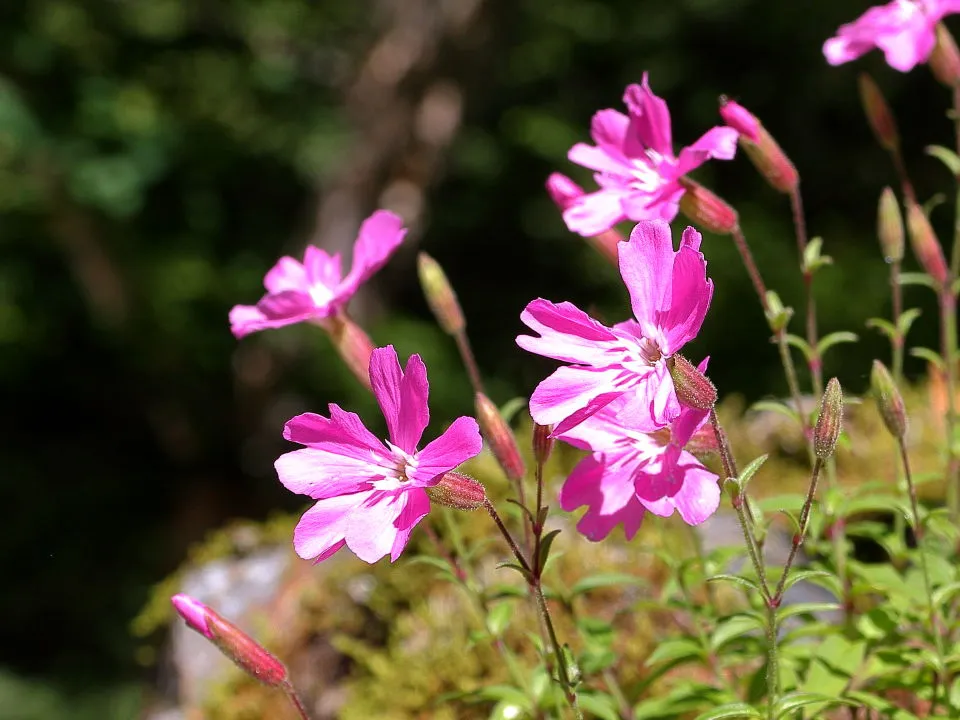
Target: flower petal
646	266
607	491
575	393
567	333
371	530
414	414
342	433
380	235
321	474
287	274
649	120
386	378
458	443
596	212
322	528
321	268
416	508
563	191
689	300
609	130
273	311
719	143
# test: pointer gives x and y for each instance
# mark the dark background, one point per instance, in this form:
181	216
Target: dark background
157	157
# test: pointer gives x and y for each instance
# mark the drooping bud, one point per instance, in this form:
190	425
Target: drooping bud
706	209
878	114
247	653
500	436
889	400
829	421
458	491
944	61
764	152
890	226
542	443
692	386
353	345
440	295
926	246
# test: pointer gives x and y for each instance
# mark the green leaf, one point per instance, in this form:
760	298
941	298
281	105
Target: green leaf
736	580
498	618
512	407
812	259
946	156
730	710
806	608
914	278
884	326
523	508
875	702
820	577
513	566
545	544
795	700
907	319
929	355
603	706
801	345
835	338
734	627
676	649
777	407
751	469
602	580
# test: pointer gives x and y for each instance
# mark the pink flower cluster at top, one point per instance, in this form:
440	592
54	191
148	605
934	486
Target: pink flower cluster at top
905	30
634	165
616	397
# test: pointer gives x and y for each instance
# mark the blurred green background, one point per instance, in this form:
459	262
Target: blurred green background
157	157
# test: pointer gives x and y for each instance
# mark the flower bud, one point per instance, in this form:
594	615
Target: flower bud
542	443
458	491
703	442
500	436
692	386
440	295
246	652
890	226
889	400
926	246
353	345
706	209
829	421
878	114
766	155
944	61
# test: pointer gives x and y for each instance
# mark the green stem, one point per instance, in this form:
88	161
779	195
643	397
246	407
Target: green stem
790	372
295	700
751	266
815	362
801	532
897	341
948	340
469	361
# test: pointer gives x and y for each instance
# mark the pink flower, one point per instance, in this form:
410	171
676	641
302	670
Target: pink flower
631	472
370	494
904	29
669	293
316	288
636	169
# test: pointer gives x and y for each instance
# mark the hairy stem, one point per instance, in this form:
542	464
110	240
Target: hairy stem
469	361
801	531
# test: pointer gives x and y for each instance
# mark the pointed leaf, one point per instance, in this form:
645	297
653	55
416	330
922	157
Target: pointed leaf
907	319
777	407
730	710
801	344
931	356
946	156
884	326
602	580
751	469
795	700
545	544
915	278
736	580
835	338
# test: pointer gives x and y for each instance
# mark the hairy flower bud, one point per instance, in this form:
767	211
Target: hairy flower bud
246	652
500	436
889	400
925	245
542	443
764	152
458	491
878	114
829	421
944	61
440	295
706	209
692	386
890	226
703	442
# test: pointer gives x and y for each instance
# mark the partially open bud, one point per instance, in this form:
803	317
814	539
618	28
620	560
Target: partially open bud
925	245
944	61
542	443
353	344
889	400
440	295
829	421
246	652
890	226
692	386
764	152
458	491
878	114
706	209
500	436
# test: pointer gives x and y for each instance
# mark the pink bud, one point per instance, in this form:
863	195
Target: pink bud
458	491
944	62
925	245
353	344
890	226
440	295
878	114
829	421
740	119
889	400
500	436
246	652
706	209
692	386
542	443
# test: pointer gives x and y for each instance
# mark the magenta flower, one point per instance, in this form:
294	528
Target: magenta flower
631	472
370	494
636	169
316	288
670	295
905	30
